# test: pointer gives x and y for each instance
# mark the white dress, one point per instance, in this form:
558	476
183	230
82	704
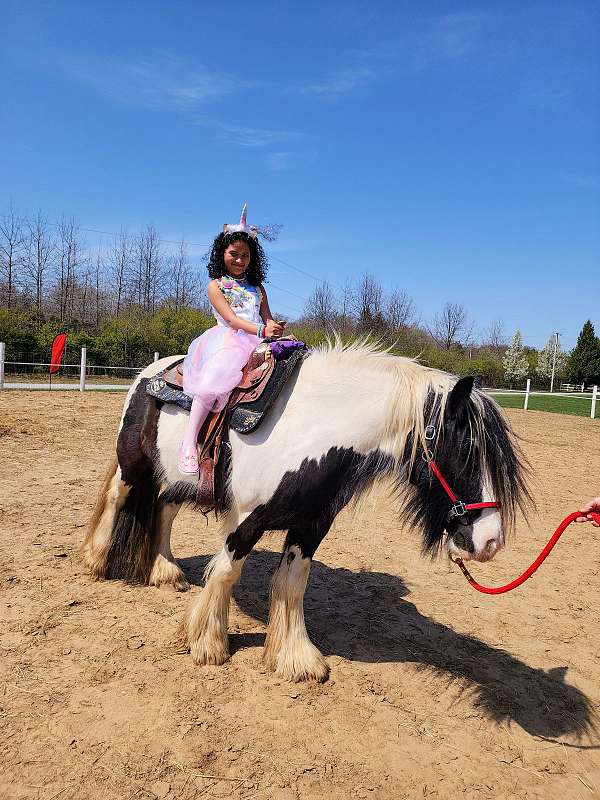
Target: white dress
214	363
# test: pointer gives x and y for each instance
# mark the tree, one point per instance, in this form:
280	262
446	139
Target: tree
451	326
12	237
584	363
495	337
516	367
184	284
370	307
400	311
320	308
547	357
40	247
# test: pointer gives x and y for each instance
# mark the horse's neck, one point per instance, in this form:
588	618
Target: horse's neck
351	401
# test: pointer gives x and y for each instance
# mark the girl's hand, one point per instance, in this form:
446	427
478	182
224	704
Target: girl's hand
273	328
593	505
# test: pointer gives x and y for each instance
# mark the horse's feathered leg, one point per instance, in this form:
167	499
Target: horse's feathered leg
204	630
165	570
98	538
288	649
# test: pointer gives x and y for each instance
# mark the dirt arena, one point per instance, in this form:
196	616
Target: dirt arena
435	691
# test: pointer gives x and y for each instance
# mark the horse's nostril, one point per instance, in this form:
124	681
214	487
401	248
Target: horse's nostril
459	540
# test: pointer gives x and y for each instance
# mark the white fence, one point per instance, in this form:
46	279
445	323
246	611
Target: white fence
84	374
569	395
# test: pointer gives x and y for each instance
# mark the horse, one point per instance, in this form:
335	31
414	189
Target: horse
349	416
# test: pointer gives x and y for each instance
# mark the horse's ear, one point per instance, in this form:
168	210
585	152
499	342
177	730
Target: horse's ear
459	396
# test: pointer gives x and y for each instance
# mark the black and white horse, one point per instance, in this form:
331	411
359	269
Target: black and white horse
350	415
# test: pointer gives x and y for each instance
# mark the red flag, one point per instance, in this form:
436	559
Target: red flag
58	348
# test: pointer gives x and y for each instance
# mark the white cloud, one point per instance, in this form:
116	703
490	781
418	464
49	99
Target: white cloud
254	137
164	82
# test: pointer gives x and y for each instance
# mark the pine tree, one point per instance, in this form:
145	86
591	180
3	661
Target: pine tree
584	363
515	363
546	357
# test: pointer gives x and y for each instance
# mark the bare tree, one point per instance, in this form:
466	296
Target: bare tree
400	311
184	284
40	247
370	306
119	268
148	272
320	308
451	326
495	337
347	304
70	259
12	239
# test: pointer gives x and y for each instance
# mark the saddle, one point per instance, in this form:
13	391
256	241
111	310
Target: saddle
269	368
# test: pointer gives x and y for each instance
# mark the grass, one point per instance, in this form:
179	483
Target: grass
578	406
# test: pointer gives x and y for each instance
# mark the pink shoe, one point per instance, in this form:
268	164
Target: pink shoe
187	464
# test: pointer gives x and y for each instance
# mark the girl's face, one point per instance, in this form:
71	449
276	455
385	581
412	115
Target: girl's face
237	259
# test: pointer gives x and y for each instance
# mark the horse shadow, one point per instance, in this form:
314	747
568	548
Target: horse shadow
364	616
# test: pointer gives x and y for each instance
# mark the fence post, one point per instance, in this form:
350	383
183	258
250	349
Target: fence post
156	356
594	395
525	405
82	369
2	355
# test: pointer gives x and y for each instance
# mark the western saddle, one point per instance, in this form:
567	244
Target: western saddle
267	371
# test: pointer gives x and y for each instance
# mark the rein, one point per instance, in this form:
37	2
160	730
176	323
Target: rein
459	509
530	570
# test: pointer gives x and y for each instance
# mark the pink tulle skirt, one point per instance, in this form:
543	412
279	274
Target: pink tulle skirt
214	363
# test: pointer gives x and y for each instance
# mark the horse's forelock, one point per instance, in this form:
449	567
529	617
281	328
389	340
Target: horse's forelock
502	460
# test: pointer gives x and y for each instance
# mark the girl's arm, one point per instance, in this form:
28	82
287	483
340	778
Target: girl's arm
267	316
220	304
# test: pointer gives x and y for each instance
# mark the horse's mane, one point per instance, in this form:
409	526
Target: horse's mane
417	398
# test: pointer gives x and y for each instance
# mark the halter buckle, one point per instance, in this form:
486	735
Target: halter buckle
459	509
430	433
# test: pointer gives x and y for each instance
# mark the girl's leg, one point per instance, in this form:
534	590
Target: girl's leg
188	455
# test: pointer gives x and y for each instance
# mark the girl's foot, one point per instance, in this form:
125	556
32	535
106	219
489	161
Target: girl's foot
187	462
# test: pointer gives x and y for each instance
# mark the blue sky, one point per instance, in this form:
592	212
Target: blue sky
450	149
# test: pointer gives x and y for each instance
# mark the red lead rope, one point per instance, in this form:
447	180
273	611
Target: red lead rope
530	570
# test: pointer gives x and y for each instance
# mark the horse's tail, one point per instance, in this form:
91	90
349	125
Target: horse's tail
133	544
121	540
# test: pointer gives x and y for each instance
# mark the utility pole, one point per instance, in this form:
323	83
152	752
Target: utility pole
557	334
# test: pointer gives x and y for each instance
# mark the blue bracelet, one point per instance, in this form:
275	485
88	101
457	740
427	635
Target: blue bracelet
260	330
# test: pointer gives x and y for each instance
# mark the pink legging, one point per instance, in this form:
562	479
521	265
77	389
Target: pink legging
201	405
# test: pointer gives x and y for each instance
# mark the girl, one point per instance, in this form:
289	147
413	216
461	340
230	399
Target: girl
213	365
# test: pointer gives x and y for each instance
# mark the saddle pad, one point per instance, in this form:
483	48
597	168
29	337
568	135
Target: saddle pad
245	417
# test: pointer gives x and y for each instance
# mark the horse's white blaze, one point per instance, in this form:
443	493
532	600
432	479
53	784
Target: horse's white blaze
288	650
486	532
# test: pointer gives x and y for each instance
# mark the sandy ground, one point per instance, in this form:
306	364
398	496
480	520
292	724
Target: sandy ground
435	690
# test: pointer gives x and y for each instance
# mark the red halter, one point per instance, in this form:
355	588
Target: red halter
459	509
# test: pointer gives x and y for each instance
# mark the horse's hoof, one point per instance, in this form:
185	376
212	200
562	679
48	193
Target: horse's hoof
168	573
306	664
204	656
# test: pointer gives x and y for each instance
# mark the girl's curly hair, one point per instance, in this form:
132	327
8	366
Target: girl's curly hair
257	268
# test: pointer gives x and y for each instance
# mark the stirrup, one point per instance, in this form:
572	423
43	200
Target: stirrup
187	465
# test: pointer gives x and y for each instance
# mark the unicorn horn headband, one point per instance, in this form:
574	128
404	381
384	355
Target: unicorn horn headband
268	232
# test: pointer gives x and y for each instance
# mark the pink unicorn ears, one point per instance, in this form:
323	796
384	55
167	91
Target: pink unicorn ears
268	232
